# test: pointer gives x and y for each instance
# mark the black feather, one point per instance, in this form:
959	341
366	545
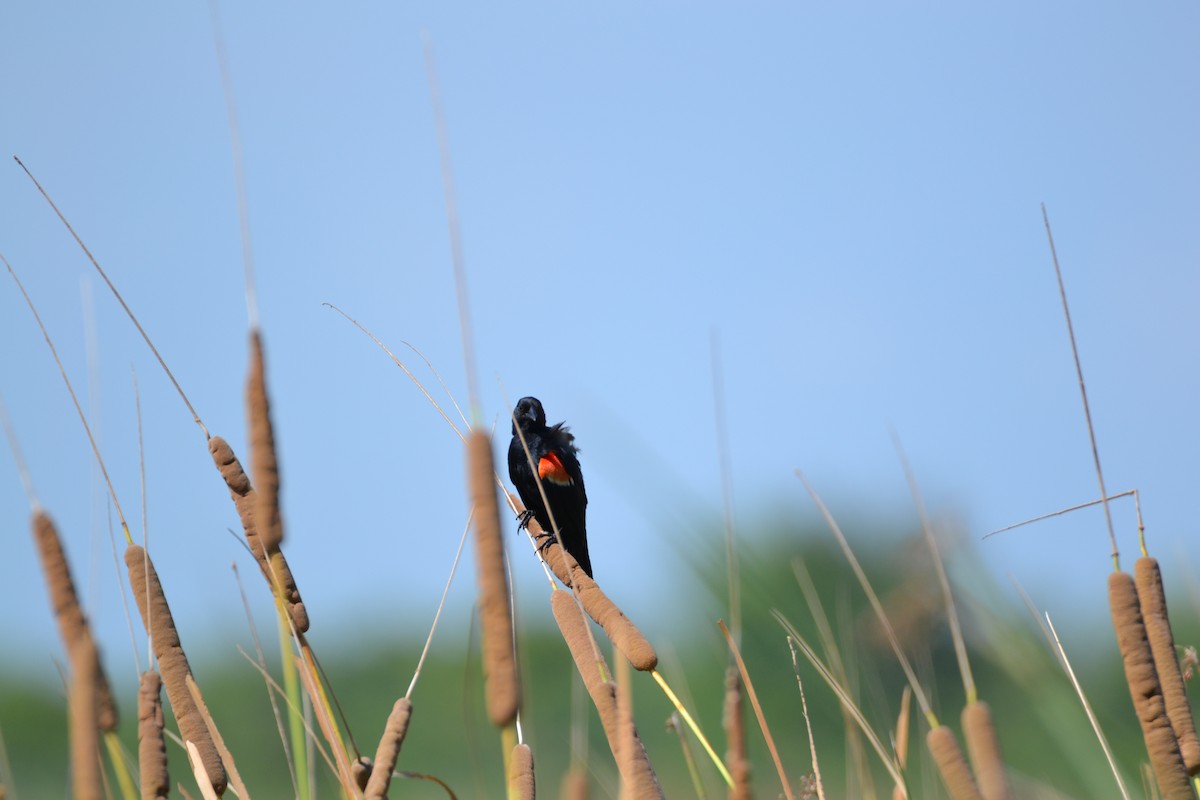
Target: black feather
568	501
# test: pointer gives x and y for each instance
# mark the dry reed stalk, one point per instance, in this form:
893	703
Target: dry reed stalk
172	661
85	725
521	783
956	775
574	630
574	784
901	740
1145	689
627	731
72	623
735	737
263	462
388	750
235	779
624	635
757	706
152	747
502	681
1153	601
307	672
244	498
983	746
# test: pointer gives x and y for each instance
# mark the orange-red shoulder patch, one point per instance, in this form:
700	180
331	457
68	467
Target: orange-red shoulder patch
550	468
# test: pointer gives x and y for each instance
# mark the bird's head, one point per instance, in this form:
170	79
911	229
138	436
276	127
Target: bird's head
528	414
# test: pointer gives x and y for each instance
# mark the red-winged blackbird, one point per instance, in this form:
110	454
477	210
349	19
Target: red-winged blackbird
553	450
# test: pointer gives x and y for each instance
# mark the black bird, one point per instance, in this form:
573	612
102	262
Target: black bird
553	450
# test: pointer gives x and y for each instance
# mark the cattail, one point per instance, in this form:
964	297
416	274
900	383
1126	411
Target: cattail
1145	690
574	784
172	661
636	771
72	624
1153	601
152	747
263	459
983	746
244	498
630	751
85	726
735	737
624	635
521	784
503	684
388	750
956	775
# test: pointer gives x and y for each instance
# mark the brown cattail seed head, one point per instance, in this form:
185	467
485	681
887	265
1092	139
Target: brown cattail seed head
152	747
172	661
979	731
956	775
388	750
503	685
521	784
1145	690
265	464
72	623
636	771
1153	600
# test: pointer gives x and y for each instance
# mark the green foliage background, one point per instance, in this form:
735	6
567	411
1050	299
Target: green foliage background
1045	735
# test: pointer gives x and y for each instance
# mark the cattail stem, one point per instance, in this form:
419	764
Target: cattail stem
1145	690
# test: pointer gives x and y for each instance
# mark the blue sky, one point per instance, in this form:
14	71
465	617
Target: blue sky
848	195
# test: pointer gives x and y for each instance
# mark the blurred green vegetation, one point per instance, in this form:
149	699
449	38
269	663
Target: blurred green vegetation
1047	741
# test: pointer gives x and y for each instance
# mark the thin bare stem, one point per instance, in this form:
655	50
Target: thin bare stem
1059	513
812	743
691	723
441	382
19	457
876	605
441	604
758	712
1087	412
731	565
960	646
846	700
1066	664
262	665
239	170
400	364
71	391
456	248
121	300
274	686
